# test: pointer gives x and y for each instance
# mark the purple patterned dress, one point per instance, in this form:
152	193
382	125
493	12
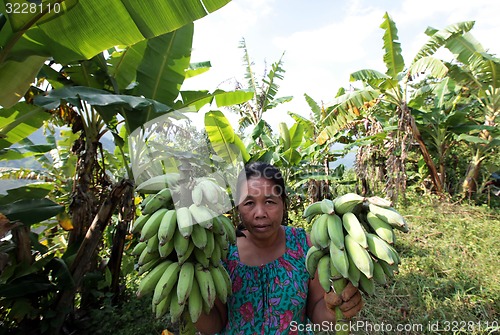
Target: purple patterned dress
269	299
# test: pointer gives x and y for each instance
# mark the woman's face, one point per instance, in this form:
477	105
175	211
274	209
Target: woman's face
261	207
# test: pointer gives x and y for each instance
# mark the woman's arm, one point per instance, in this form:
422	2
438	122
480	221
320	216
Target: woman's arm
215	321
316	309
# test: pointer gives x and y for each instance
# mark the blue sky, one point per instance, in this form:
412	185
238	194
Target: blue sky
323	40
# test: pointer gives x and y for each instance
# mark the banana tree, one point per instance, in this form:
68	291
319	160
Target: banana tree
392	91
27	40
320	134
264	95
477	72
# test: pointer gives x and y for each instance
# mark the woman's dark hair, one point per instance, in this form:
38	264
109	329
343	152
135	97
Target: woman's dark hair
269	172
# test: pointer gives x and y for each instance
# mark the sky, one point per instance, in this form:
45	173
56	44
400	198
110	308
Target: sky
323	41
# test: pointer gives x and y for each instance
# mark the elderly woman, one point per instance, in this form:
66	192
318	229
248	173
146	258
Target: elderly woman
272	290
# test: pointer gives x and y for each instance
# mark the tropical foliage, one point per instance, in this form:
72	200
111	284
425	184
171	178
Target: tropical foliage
108	77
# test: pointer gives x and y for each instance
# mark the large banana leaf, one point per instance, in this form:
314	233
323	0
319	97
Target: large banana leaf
224	141
347	107
30	211
392	56
84	30
76	94
439	38
162	69
434	66
19	122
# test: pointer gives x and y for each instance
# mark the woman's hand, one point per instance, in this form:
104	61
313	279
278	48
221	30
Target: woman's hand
349	301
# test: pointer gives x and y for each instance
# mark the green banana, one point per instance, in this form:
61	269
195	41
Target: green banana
157	183
143	268
199	236
395	255
211	191
366	285
151	226
324	272
202	215
389	270
181	244
209	248
145	201
381	228
201	258
185	282
163	306
166	249
197	195
176	309
339	260
227	280
152	244
216	257
336	230
195	302
207	285
139	248
327	206
347	202
148	283
184	222
167	226
380	249
219	282
166	283
229	228
354	272
390	216
223	244
313	256
312	210
379	201
217	226
360	256
354	228
184	257
319	232
378	274
160	200
146	257
139	223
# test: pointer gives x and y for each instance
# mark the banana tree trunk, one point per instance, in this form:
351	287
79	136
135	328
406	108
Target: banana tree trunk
87	251
469	186
115	260
435	178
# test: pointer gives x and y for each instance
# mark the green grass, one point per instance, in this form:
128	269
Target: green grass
449	273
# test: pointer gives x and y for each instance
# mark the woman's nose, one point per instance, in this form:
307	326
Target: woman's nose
260	211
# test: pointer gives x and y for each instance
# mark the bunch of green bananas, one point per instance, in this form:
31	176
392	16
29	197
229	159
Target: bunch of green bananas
180	249
352	240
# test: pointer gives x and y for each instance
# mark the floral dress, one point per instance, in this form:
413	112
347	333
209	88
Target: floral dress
269	299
